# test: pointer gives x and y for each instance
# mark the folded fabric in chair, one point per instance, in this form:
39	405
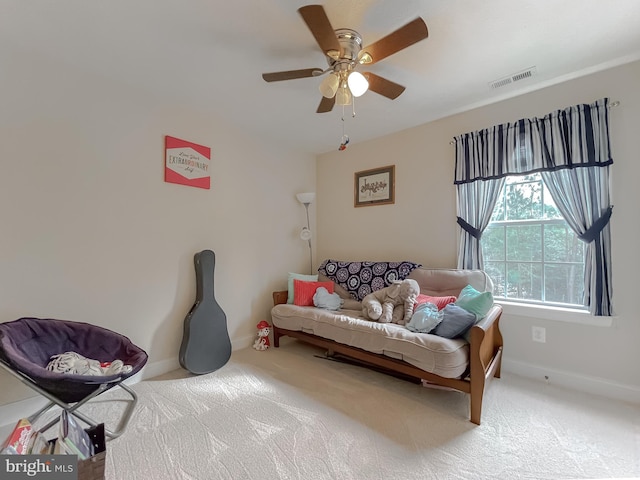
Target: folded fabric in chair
73	362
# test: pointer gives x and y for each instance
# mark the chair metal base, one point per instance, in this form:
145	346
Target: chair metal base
73	408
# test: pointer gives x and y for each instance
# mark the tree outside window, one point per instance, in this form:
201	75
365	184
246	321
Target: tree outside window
530	252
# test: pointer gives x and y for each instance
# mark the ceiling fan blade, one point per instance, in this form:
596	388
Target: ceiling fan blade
382	86
326	105
291	74
316	19
402	38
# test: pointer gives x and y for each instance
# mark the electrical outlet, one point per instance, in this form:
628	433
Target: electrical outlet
539	334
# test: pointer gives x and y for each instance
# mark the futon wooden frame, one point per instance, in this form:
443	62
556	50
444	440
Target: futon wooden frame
485	357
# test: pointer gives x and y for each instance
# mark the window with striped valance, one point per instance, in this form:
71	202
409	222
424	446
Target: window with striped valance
571	149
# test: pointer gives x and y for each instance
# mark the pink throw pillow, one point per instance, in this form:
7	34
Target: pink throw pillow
439	302
303	292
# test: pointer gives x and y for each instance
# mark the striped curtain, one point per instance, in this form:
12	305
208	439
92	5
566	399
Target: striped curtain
476	201
572	150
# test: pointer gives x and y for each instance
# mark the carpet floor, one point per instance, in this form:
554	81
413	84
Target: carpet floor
286	414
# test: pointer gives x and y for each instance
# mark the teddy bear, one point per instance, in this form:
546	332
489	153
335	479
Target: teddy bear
393	303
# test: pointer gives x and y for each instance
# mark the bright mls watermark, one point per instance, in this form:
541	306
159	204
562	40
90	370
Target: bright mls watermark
49	467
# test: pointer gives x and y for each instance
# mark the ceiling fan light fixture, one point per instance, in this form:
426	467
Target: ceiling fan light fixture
329	85
343	95
358	84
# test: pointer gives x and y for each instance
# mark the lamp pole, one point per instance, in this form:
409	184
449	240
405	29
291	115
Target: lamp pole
306	199
306	207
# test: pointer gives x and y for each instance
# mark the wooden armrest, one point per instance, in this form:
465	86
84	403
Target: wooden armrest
486	340
485	357
492	316
280	297
485	334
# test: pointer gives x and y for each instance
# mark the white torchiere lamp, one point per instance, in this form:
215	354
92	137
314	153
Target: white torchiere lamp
305	234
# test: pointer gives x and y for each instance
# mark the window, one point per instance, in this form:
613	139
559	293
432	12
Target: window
530	252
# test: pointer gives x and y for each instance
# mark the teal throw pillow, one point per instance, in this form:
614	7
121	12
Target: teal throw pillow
478	303
298	276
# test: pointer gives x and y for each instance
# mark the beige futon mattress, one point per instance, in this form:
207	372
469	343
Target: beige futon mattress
444	357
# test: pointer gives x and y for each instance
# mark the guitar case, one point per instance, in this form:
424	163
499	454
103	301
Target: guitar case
206	346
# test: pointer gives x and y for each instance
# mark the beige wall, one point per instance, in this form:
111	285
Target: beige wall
421	226
91	232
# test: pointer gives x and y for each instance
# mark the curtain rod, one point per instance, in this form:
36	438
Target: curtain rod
615	103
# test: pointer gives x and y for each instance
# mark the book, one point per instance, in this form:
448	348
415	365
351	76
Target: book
19	438
38	444
59	448
74	437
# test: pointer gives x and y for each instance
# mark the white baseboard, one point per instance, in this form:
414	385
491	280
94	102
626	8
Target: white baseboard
582	383
154	369
243	342
10	413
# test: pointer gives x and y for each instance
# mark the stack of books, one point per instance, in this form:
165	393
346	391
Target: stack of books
17	443
72	440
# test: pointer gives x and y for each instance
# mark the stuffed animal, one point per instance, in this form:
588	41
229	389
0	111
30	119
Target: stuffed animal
76	364
262	342
380	305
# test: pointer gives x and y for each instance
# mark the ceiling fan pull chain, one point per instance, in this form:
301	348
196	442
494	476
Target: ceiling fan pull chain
345	138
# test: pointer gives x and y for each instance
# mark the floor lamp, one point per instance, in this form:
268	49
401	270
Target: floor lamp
305	234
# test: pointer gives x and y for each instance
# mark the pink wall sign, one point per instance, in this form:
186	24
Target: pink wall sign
187	163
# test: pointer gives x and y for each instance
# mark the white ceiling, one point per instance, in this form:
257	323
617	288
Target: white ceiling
209	54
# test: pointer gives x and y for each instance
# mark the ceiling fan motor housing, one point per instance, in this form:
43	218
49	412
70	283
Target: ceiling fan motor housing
350	43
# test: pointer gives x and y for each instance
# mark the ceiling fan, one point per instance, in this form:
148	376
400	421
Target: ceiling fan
344	53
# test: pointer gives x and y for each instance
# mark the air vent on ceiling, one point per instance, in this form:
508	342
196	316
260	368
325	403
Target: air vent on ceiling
516	77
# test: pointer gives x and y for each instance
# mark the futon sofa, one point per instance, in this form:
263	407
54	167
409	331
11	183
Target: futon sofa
465	363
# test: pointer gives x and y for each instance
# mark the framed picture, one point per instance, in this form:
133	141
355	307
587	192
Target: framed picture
375	187
187	163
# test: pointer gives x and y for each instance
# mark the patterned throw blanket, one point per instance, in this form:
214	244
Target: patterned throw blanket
362	278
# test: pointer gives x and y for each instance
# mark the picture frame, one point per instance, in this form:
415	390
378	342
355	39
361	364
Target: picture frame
187	163
375	186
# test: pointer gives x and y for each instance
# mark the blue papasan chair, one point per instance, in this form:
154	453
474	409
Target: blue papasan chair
28	344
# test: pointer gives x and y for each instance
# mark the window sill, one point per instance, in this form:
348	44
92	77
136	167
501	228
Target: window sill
560	314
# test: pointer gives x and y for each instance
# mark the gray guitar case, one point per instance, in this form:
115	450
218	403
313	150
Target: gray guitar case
205	342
